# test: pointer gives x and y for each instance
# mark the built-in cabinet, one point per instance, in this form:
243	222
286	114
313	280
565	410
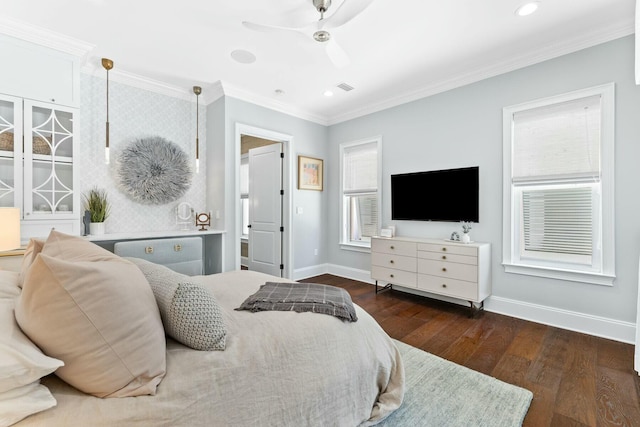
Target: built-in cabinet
456	270
38	137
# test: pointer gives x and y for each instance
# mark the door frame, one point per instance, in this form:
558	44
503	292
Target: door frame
288	181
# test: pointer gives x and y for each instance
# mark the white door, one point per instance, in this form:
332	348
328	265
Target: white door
265	209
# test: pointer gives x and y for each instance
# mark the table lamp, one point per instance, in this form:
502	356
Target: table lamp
9	229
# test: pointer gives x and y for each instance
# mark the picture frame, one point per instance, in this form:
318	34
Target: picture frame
310	173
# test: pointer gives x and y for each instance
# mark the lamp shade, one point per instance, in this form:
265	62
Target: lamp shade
9	228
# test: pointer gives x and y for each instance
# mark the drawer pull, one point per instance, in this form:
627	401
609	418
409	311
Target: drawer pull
444	285
148	250
392	247
391	275
391	261
444	269
444	249
177	248
444	257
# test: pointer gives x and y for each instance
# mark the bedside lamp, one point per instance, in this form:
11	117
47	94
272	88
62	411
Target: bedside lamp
9	229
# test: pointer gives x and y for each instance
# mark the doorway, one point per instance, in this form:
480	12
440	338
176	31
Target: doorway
269	251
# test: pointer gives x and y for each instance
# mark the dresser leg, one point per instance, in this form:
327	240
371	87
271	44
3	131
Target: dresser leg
475	310
386	287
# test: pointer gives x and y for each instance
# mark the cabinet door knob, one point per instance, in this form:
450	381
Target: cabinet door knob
444	269
444	285
444	257
444	249
391	261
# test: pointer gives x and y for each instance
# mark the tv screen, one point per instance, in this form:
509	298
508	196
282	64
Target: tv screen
441	195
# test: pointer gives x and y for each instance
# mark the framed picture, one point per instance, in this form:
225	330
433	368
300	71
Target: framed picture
310	173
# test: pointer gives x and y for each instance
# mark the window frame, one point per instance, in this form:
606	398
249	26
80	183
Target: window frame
344	241
604	272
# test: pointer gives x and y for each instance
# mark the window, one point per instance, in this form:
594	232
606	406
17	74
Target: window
558	187
244	194
360	185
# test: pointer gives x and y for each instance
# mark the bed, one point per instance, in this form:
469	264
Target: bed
277	369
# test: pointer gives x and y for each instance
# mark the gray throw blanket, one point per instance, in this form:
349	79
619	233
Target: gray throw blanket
302	297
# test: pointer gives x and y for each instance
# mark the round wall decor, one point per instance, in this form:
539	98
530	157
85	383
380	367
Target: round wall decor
153	171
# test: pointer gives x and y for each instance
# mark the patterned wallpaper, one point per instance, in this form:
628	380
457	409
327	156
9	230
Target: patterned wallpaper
135	113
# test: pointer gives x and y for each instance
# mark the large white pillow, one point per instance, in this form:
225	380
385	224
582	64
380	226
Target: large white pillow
94	311
23	401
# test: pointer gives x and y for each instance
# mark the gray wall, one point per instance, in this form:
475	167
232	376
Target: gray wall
308	139
463	127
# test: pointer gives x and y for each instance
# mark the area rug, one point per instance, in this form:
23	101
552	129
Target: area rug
442	393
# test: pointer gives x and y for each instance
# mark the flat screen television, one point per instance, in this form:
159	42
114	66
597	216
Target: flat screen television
439	195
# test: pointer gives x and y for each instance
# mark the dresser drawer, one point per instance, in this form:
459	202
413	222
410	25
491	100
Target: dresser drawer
397	262
390	246
448	248
447	286
448	269
183	255
398	277
446	256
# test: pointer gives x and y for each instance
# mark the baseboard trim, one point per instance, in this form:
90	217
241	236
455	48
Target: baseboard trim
305	273
571	320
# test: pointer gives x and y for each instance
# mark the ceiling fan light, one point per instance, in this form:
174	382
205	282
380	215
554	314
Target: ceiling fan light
321	36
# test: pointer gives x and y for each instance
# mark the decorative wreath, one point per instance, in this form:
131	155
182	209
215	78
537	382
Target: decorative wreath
153	171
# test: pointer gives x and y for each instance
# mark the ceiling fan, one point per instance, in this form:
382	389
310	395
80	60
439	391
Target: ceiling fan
348	10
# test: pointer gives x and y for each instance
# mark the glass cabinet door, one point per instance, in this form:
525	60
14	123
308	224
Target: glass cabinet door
10	151
48	161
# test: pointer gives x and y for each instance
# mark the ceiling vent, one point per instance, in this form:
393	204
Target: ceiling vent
345	87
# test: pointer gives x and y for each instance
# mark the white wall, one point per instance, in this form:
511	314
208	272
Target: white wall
135	113
463	127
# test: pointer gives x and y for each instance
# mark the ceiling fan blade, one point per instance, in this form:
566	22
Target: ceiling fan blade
336	54
348	10
269	28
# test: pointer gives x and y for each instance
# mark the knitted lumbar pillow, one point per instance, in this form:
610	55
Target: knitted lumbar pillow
190	313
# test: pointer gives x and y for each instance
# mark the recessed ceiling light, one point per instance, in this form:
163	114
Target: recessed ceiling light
328	93
243	56
527	8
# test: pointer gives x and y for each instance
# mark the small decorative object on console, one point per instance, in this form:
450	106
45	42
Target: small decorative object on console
203	220
466	227
455	236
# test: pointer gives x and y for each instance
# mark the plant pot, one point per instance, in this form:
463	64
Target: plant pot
465	238
96	228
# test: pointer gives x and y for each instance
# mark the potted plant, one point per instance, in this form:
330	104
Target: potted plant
466	227
96	202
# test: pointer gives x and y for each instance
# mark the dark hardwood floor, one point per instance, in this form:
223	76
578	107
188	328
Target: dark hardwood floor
576	379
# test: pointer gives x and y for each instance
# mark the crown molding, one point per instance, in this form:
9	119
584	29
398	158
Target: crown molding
243	95
40	36
530	58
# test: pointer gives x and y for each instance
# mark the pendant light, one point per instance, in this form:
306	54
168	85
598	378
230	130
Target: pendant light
197	90
107	64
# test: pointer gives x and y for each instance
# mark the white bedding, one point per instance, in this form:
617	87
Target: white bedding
278	369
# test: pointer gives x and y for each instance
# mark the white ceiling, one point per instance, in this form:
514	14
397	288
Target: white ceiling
399	50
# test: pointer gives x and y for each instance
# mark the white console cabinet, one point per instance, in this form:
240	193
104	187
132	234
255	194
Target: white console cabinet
441	267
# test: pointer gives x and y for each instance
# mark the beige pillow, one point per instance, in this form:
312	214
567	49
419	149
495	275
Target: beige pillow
94	311
33	248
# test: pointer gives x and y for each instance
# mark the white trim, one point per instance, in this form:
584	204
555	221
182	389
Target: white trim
47	38
350	273
312	271
571	320
509	212
288	179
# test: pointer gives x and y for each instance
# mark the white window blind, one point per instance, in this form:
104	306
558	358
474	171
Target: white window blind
558	141
360	168
558	221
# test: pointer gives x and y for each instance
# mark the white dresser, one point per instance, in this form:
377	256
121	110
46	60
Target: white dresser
456	270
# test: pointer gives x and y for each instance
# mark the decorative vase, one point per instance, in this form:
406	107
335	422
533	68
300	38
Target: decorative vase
96	228
465	238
